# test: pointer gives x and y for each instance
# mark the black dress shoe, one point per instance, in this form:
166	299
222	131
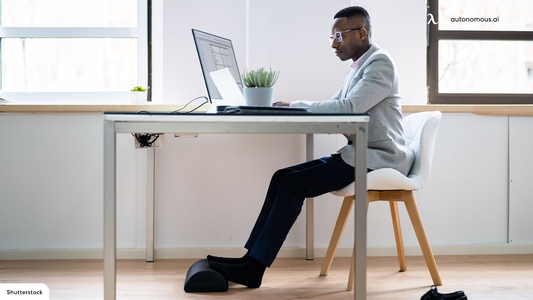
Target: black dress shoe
433	294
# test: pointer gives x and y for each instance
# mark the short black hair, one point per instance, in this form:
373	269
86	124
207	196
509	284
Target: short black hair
354	11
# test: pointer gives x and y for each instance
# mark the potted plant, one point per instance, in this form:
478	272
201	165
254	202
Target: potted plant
138	95
258	90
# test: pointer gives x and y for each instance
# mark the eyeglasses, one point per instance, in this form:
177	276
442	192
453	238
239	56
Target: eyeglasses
338	34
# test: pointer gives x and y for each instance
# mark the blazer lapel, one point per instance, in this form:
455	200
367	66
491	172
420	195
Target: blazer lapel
346	84
349	82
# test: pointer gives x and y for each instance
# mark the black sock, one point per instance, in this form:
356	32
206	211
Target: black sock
229	260
249	273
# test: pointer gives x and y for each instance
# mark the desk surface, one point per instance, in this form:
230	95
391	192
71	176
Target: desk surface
212	123
222	118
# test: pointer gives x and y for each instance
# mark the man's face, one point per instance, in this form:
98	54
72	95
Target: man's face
354	43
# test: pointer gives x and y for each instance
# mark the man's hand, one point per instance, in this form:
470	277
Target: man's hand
279	103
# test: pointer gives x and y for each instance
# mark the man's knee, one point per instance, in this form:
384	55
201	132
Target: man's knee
291	178
280	174
294	183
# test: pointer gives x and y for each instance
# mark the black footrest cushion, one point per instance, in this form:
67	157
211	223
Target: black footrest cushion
201	278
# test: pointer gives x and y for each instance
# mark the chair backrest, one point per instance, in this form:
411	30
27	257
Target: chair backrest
420	132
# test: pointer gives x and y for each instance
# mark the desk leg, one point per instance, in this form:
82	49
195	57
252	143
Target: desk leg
361	145
310	229
150	203
110	246
310	206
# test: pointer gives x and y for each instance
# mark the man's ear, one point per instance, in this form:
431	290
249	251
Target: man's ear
363	34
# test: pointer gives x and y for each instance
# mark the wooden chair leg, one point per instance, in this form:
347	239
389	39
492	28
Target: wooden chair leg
342	219
351	277
344	213
414	215
398	234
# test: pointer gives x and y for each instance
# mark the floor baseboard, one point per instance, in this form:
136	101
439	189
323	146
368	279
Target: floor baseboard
181	253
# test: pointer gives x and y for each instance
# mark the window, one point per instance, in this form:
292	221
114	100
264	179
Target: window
480	51
72	51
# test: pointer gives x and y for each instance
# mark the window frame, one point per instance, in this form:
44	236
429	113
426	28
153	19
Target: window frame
434	35
140	32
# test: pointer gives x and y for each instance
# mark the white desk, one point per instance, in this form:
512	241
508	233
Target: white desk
201	123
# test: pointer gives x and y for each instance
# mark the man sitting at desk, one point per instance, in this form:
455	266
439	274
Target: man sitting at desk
371	86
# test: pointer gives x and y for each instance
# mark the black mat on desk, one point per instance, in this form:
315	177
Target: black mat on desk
261	110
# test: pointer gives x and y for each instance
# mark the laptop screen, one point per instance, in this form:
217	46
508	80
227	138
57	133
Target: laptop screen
215	53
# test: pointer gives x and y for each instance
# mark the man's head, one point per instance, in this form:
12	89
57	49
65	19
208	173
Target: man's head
351	33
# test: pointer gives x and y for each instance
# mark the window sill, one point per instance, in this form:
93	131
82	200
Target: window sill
494	110
491	110
91	108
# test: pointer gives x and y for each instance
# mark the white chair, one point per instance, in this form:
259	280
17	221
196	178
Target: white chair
420	131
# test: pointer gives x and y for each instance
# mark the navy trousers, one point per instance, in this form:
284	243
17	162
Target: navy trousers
284	199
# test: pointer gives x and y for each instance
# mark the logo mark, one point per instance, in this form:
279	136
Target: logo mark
431	18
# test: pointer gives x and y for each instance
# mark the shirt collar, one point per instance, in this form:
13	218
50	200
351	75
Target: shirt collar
356	63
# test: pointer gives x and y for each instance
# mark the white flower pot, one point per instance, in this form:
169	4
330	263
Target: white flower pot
138	97
259	96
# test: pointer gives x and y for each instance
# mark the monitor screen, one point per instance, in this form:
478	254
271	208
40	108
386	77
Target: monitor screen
215	53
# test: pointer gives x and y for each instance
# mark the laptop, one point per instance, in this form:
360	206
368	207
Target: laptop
223	80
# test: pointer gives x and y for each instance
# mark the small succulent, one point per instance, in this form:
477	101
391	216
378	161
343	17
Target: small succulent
260	78
138	89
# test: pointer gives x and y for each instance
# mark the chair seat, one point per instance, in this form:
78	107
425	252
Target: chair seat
383	179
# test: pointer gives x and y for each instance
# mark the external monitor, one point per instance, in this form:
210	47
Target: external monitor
215	53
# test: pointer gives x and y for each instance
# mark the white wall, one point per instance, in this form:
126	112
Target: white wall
210	188
520	174
51	181
293	37
182	75
400	27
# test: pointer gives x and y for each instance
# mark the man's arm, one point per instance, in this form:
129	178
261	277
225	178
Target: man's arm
281	103
376	84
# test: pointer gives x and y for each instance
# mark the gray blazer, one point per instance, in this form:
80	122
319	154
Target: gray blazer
373	89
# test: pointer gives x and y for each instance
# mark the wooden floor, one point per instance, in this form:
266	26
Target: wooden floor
481	277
